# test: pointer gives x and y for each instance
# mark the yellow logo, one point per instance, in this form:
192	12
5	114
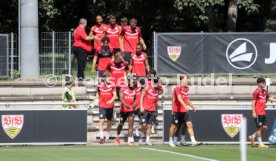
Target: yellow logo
12	124
231	123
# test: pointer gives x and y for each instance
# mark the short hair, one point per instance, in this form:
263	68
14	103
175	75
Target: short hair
139	44
82	21
152	71
104	39
134	20
68	80
124	19
260	80
99	16
111	17
182	76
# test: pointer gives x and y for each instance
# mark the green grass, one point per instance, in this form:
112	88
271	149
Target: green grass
137	153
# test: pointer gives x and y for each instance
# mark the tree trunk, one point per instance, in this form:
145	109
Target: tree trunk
232	16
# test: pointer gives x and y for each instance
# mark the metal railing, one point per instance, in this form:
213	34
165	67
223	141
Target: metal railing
55	53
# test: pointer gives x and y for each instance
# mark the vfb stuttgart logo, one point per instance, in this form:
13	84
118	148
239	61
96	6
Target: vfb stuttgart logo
12	124
174	52
231	123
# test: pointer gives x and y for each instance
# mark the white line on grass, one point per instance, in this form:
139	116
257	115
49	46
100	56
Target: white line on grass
182	154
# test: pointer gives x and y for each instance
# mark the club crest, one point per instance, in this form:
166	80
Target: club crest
174	52
231	123
12	124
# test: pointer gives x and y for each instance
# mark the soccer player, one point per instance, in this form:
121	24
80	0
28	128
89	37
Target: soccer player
127	111
139	62
123	22
148	106
129	37
180	110
118	69
106	95
82	47
113	32
260	96
103	55
98	31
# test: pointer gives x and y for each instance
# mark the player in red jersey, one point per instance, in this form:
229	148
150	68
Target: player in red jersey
98	31
127	111
103	55
129	37
113	32
118	69
260	97
106	95
148	106
139	62
180	110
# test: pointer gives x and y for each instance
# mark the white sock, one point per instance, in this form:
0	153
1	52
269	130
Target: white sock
183	138
132	139
260	140
101	135
193	139
171	139
129	139
254	135
148	138
175	140
107	135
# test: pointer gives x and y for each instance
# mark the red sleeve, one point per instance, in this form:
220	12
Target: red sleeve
255	95
97	51
82	33
177	91
140	33
122	32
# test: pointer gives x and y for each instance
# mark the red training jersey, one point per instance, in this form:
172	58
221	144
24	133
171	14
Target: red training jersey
118	72
260	96
184	93
105	93
129	99
98	33
139	64
104	57
79	39
113	35
131	38
150	99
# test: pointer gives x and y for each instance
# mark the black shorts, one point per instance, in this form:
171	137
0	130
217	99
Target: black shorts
100	75
127	57
106	113
125	115
148	117
138	113
260	121
179	118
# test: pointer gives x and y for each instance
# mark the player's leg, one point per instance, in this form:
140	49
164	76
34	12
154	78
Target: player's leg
182	133
173	129
123	118
109	116
143	121
130	128
150	121
102	112
190	129
262	126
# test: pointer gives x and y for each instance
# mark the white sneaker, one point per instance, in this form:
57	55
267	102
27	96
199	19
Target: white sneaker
149	143
196	143
171	144
182	143
132	140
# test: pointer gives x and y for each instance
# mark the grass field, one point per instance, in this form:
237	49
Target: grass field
136	153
